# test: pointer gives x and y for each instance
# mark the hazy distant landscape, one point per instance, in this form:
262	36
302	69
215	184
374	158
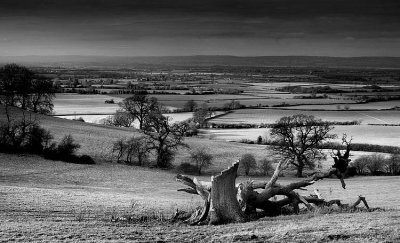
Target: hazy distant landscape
205	61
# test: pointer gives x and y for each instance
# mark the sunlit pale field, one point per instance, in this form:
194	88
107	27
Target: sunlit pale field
268	116
382	105
99	119
71	104
382	135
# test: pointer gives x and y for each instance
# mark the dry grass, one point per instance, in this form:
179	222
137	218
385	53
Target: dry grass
53	201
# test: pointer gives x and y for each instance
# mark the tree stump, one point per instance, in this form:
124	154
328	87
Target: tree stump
224	204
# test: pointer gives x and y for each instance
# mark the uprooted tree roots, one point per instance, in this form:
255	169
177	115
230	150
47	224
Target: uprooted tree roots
226	202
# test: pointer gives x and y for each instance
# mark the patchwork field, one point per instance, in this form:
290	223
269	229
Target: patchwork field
77	104
270	115
382	135
383	105
98	119
249	98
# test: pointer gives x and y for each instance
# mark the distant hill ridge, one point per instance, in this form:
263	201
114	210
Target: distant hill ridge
205	60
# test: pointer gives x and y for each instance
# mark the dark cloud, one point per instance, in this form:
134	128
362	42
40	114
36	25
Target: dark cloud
241	8
197	26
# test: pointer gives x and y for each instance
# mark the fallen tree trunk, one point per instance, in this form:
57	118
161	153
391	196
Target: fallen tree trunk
225	202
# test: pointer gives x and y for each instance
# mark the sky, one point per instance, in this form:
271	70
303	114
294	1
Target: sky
200	27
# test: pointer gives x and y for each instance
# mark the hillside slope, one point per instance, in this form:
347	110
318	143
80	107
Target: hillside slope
97	140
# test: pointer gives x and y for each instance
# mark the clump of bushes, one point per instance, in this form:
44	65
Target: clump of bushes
133	151
265	166
79	119
377	164
25	135
187	168
200	159
110	101
65	151
248	163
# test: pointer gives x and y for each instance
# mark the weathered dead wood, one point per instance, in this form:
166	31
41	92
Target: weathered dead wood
196	187
224	204
360	199
319	201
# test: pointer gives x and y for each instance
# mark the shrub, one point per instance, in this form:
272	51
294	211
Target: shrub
67	147
79	119
137	149
360	164
392	164
65	151
85	159
51	152
350	171
376	164
119	148
38	139
201	158
133	151
187	168
265	166
23	135
248	162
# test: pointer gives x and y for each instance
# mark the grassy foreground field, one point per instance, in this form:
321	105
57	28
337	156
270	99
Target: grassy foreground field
45	200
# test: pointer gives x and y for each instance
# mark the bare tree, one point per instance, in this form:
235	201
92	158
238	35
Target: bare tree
375	163
298	137
360	164
134	150
248	162
393	164
190	105
22	88
123	119
164	137
138	106
265	166
201	114
119	148
138	149
202	158
43	93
